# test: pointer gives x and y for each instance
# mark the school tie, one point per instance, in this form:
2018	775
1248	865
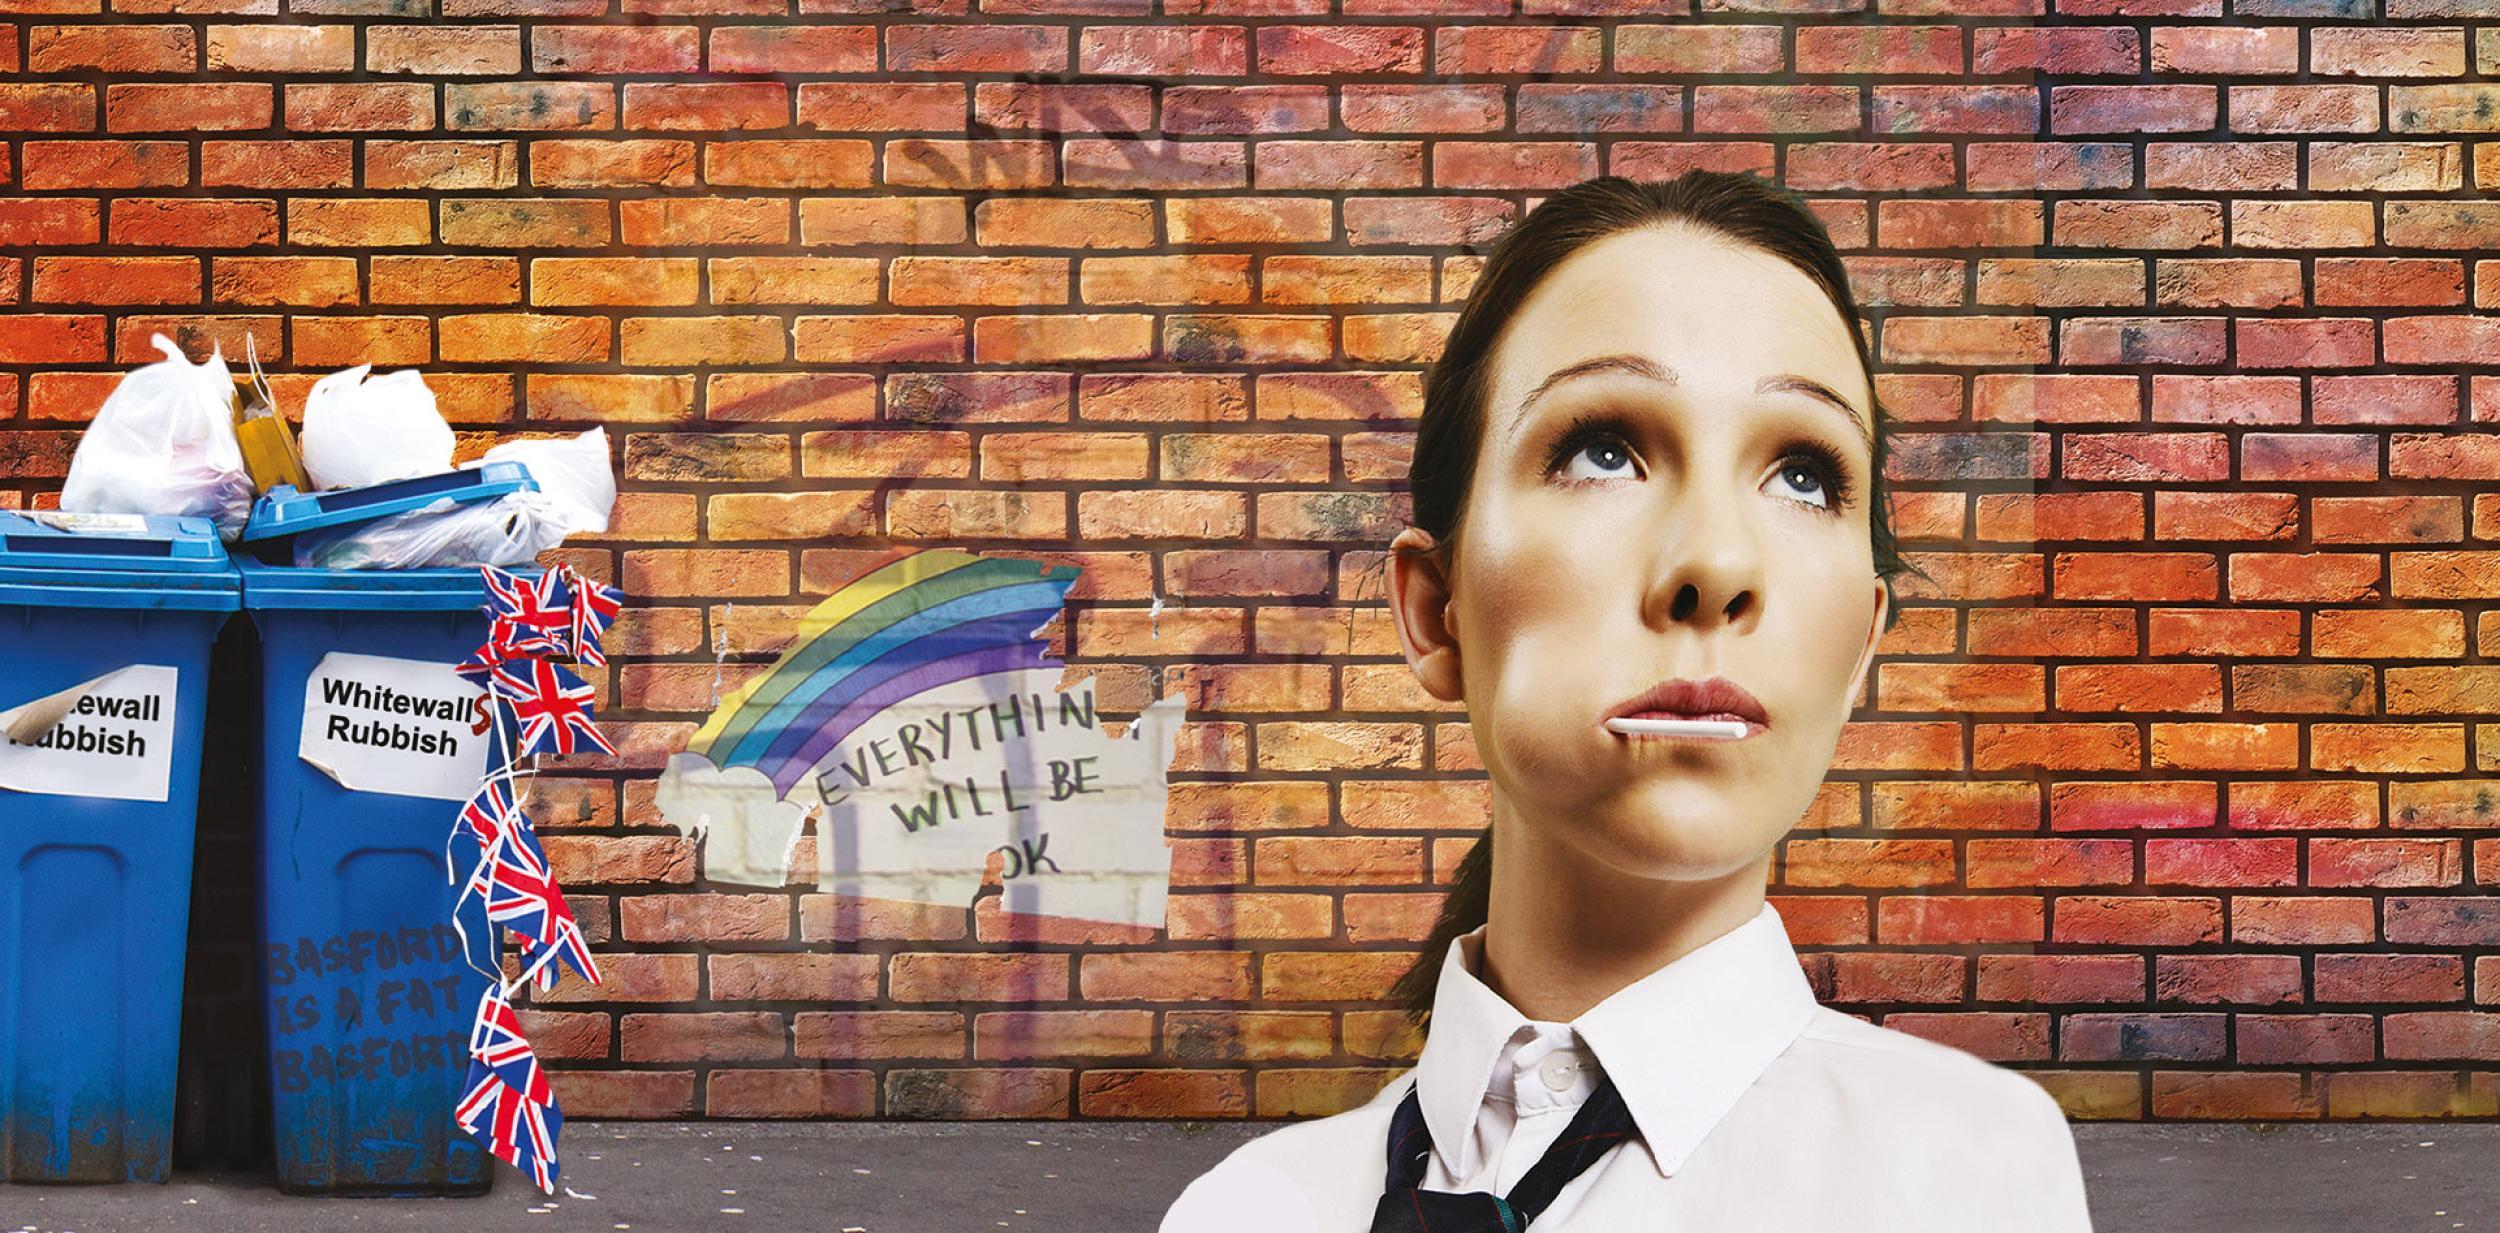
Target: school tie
1405	1207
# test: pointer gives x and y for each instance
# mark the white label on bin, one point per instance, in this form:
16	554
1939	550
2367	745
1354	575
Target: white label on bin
404	727
111	737
99	524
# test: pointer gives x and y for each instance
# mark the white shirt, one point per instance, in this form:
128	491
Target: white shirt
1758	1108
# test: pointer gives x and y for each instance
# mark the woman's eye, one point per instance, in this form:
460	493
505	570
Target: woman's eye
1609	458
1804	476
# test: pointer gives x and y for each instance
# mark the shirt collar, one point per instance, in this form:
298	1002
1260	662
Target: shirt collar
1682	1043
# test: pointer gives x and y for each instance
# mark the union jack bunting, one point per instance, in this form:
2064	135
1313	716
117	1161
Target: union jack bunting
479	668
528	616
542	964
519	887
551	705
513	1128
487	814
496	1040
516	881
507	1103
595	606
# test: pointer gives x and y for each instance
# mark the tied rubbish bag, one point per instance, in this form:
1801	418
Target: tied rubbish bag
163	443
576	490
359	433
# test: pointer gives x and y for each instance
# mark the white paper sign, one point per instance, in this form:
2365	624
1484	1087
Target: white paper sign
114	738
1077	819
403	727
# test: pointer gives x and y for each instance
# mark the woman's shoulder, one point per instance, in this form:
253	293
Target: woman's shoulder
1891	1070
1296	1176
1929	1118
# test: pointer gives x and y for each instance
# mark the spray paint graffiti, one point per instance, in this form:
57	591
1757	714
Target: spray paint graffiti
919	719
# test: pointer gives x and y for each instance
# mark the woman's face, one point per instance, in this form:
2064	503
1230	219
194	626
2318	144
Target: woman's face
1659	495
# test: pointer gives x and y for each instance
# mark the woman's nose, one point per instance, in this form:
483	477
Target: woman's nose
1709	562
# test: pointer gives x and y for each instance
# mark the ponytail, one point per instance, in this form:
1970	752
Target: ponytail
1462	910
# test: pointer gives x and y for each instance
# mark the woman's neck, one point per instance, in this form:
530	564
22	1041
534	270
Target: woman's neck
1564	932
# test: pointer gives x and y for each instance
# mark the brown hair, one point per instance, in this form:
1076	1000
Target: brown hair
1743	207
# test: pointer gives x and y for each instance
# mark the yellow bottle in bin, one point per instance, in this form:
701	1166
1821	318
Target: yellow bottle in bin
267	441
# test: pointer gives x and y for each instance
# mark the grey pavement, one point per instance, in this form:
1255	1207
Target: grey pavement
1108	1177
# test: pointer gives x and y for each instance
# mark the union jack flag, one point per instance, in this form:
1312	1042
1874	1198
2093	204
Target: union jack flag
519	887
508	1105
479	668
496	1040
513	1128
487	814
569	946
517	883
527	616
551	705
594	609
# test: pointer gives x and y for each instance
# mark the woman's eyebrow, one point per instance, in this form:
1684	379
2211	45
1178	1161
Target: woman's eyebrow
1643	366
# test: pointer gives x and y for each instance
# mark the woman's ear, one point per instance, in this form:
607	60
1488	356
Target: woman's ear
1874	635
1419	601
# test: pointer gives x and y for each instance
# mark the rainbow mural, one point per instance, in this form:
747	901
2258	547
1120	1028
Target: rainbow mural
927	620
922	647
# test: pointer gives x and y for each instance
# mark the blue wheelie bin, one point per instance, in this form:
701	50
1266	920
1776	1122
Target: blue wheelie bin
99	797
369	747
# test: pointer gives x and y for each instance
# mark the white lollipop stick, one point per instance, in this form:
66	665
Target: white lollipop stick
1720	729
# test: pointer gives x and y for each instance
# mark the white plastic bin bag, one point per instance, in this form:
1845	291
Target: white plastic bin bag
576	490
163	443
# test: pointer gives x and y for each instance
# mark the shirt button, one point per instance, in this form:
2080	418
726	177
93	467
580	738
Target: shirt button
1558	1070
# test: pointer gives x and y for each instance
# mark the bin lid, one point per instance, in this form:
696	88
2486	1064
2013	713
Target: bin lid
283	511
65	560
457	589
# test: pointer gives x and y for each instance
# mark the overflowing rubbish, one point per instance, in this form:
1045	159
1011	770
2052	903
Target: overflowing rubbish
194	440
164	443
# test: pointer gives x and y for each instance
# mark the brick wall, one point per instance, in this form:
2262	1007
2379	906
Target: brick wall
2176	790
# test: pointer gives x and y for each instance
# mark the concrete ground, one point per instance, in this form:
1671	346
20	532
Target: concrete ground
852	1177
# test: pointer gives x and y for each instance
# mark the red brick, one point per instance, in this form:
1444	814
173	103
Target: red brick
632	978
1995	1036
951	978
1223	1035
2251	979
1322	977
2099	1037
1044	1034
1931	919
975	1094
847	1035
624	1094
1180	976
1317	1092
793	978
722	1037
790	1093
1195	1094
2228	1096
706	918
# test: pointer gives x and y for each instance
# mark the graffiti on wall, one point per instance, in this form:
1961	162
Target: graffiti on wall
919	720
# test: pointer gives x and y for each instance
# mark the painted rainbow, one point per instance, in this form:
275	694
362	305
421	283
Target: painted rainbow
915	624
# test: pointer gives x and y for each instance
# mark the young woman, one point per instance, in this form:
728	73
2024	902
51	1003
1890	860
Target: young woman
1647	485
